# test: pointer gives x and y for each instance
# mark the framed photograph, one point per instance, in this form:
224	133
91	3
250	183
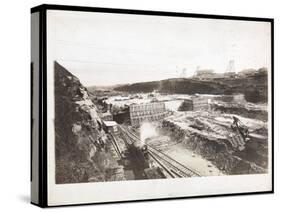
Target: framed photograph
131	105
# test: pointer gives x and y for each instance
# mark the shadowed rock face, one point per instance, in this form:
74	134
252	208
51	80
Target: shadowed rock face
78	132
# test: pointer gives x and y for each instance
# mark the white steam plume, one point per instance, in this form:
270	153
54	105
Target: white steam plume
147	130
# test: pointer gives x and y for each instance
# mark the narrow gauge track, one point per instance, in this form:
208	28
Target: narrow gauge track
171	166
125	136
115	145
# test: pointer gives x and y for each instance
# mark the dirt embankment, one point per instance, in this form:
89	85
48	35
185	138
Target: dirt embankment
215	141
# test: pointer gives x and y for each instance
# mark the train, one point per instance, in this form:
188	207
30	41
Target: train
139	152
143	161
140	158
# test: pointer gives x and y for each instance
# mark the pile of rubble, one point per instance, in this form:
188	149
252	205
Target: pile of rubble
213	136
246	109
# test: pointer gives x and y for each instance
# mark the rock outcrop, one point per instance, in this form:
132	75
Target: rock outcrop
211	137
80	142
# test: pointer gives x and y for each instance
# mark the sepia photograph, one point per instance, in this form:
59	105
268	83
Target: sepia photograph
145	97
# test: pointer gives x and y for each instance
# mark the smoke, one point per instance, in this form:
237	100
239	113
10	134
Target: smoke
147	130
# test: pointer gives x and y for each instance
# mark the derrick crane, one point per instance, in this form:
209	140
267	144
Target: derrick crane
240	128
183	73
240	136
230	67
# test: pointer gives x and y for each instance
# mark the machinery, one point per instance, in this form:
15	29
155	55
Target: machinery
140	152
240	128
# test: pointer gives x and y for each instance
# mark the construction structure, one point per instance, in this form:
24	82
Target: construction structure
230	67
230	70
202	102
183	73
210	74
204	74
153	111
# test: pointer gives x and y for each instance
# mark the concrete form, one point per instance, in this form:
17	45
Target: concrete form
153	111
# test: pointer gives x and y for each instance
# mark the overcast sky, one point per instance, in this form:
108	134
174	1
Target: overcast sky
108	49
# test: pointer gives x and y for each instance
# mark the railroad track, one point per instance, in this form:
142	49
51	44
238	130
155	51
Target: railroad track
115	145
170	165
126	137
176	167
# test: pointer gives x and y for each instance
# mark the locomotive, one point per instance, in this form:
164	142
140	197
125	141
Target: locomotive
143	161
139	152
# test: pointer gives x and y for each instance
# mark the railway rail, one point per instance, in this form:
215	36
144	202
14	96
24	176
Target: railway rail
170	165
115	145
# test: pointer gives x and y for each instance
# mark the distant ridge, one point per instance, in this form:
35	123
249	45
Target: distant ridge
253	85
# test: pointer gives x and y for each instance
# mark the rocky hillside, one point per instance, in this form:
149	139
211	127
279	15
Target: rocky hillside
254	86
80	141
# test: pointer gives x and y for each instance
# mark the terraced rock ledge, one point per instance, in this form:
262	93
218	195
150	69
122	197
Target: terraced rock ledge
209	134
